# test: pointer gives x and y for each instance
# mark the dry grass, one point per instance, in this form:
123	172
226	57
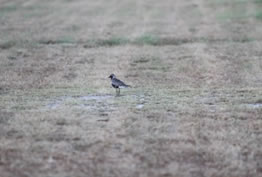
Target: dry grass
194	109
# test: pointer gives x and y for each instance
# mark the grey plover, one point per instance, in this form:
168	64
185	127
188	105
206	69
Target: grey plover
117	84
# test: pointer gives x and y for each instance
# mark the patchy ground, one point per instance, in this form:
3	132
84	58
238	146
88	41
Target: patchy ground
195	108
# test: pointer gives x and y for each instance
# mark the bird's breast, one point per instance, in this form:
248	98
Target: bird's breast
115	86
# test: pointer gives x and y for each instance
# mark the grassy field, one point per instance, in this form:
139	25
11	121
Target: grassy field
194	109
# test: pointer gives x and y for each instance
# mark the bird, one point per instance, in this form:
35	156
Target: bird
117	84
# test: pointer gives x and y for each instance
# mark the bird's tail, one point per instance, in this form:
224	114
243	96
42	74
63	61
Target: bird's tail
129	86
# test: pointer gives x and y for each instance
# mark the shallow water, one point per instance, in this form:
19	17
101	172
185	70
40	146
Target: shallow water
94	102
139	106
56	103
96	97
255	105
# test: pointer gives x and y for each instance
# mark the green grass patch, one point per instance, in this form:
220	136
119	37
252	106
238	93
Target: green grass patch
7	45
62	40
114	41
241	12
73	28
7	9
142	60
146	40
66	40
226	1
232	16
259	15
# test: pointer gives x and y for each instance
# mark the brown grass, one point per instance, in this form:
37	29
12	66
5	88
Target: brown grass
194	108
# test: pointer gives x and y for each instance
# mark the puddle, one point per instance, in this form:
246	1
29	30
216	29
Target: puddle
53	105
139	106
95	97
255	105
95	102
86	102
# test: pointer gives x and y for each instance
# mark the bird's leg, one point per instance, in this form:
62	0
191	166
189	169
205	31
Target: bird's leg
117	92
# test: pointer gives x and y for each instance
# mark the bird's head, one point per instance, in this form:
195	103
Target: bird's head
112	76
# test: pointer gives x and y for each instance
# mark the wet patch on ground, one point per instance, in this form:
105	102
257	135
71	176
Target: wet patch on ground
102	103
255	105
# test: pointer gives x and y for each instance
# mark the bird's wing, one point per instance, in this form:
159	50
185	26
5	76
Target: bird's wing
119	82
